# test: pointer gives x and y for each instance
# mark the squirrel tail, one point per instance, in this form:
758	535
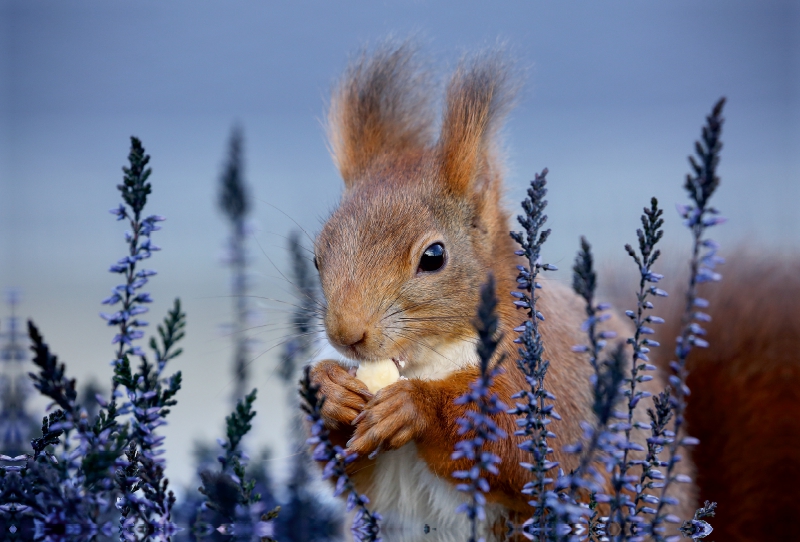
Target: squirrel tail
745	397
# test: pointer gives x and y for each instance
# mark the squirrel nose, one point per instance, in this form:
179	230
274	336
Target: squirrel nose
348	329
351	337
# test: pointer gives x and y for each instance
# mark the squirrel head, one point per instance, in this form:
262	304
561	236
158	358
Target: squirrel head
402	258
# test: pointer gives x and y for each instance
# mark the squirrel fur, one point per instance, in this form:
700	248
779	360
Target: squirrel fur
406	189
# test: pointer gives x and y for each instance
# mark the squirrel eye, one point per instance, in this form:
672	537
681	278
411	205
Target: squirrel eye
316	263
432	259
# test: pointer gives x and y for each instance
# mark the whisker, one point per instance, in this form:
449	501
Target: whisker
250	362
404	309
287	216
301	307
430	318
272	326
308	297
314	352
285	238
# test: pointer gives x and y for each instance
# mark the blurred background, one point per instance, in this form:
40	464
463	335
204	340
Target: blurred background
614	98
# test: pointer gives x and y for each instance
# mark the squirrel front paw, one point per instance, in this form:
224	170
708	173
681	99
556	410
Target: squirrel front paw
389	420
345	396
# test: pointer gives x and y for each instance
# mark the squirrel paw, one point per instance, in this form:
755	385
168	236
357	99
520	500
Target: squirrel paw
389	420
345	395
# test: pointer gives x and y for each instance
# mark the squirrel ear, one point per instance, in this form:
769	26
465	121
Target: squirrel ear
479	95
381	106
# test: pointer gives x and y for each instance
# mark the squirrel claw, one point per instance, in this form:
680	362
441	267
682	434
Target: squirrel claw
356	420
390	420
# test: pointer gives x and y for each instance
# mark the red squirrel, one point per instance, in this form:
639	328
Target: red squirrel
401	260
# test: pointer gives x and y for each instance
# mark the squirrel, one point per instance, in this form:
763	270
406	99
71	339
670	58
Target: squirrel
401	261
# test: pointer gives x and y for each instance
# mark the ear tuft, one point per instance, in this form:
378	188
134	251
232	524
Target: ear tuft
382	105
480	93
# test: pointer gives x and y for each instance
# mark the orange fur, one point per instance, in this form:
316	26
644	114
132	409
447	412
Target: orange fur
745	402
379	107
478	97
405	191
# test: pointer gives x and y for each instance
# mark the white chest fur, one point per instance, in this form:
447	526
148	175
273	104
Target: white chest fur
439	361
409	496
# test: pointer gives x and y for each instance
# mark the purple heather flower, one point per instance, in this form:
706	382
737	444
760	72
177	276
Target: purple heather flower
699	216
366	524
536	410
120	212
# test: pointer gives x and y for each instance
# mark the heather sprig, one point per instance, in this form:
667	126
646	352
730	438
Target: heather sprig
148	397
234	202
97	444
233	194
66	483
535	412
698	217
478	423
170	332
305	313
365	527
227	491
134	187
651	477
649	235
599	444
12	349
134	190
51	380
237	425
584	282
16	422
51	433
145	502
531	241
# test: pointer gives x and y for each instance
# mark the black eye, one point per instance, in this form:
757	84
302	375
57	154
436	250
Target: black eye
432	259
316	263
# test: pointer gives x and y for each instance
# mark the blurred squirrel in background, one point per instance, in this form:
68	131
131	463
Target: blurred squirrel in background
419	227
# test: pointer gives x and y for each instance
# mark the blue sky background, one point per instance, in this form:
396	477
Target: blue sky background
615	95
